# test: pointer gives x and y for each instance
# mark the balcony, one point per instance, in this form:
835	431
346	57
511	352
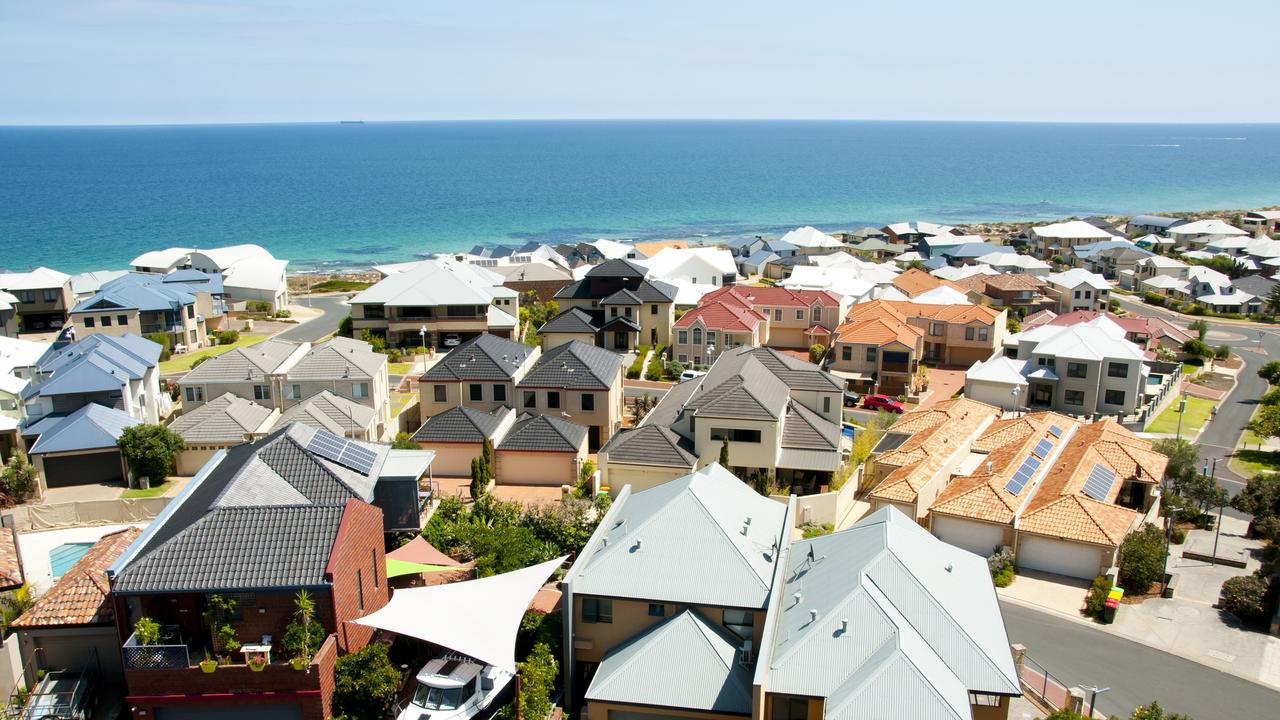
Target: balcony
901	368
156	657
158	669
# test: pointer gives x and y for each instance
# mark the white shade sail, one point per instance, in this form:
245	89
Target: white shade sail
479	618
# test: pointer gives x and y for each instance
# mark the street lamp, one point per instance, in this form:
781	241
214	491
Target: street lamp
711	354
1182	409
1094	691
422	333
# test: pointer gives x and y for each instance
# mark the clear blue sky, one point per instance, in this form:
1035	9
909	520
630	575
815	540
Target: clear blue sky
161	61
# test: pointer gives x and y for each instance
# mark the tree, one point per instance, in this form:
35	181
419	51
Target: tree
1222	352
365	684
404	441
816	353
376	341
1184	459
1142	559
486	457
305	634
1266	423
1197	349
504	548
1155	712
479	481
1260	497
1200	328
585	473
18	479
1273	300
724	453
537	680
345	327
1270	372
151	450
1245	597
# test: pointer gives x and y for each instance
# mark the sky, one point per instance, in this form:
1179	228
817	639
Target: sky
213	61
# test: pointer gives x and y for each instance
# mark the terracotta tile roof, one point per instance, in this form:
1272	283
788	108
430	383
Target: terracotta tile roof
1152	327
1034	320
752	296
936	432
879	331
651	248
10	566
943	313
1076	517
973	283
80	596
916	281
722	316
1012	281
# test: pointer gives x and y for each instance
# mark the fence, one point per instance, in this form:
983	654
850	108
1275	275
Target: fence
1044	687
90	512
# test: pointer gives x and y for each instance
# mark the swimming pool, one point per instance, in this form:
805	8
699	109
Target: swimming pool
64	556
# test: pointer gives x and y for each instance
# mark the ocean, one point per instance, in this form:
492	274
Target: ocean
337	196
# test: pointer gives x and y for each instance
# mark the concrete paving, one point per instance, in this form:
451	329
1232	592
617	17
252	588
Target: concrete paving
1052	592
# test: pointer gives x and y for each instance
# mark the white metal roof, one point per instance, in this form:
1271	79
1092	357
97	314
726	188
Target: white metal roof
258	274
1098	339
167	258
1208	226
1076	277
811	237
998	369
434	282
38	279
1164	282
1072	230
942	295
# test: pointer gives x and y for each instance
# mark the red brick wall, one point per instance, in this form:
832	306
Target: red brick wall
357	562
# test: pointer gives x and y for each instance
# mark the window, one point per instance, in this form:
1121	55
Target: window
777	314
697	360
373	565
613	311
697	336
1077	295
1117	370
1077	370
735	435
1113	397
740	622
475	391
106	321
817	314
846	353
1088	294
682	337
360	390
789	708
711	337
553	400
935	328
292	392
88	322
983	334
261	392
191	334
682	359
597	610
657	610
800	314
984	699
124	320
530	399
194	393
1073	397
50	296
1050	363
653	309
826	405
360	589
191	312
499	393
438	393
588	402
871	354
969	333
627	311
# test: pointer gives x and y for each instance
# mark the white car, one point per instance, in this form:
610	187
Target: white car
451	340
691	374
457	688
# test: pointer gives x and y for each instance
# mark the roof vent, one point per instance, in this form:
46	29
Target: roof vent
746	526
844	625
813	616
990	466
604	541
797	597
639	541
949	567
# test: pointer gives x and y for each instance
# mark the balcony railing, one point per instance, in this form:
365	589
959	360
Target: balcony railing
154	657
895	367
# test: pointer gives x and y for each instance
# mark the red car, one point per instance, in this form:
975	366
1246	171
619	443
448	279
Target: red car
883	402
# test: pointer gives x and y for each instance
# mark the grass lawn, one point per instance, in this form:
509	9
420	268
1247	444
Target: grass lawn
400	368
1197	415
1248	463
153	491
339	286
182	363
399	400
1191	369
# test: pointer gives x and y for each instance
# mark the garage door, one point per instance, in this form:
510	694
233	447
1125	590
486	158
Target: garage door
271	711
976	537
1059	557
87	469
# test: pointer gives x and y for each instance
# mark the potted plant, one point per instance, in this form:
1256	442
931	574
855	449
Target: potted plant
303	636
208	664
257	664
146	631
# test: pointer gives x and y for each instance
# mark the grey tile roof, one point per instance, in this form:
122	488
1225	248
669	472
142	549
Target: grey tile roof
222	421
656	291
574	365
692	549
1256	285
573	320
622	297
338	358
305	473
650	445
619	267
919	610
483	357
545	433
803	428
244	364
740	386
240	549
667	411
706	677
326	411
458	424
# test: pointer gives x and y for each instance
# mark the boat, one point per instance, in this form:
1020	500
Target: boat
350	122
457	687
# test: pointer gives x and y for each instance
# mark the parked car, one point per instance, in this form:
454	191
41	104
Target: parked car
883	402
850	399
451	340
691	374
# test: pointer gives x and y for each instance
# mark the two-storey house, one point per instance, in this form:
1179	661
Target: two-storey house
1078	289
878	353
615	303
795	318
185	306
712	327
954	334
1012	290
44	297
577	382
1056	239
480	374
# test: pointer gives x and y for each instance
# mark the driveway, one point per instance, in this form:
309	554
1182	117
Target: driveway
1051	592
943	383
332	309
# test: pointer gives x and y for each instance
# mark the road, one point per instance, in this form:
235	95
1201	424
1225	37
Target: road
333	307
1077	654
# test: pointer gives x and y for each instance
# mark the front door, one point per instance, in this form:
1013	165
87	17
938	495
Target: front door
653	336
1041	395
620	341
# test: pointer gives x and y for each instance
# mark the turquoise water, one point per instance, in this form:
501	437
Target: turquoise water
64	556
334	196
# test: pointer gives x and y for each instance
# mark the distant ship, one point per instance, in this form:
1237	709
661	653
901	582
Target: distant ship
350	122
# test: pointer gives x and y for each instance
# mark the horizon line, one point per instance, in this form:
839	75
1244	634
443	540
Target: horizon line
762	120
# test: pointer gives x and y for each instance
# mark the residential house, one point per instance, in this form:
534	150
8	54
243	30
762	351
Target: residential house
878	249
1015	291
248	272
221	423
1082	369
427	302
579	382
645	456
1062	494
1196	234
938	248
81	398
1077	289
599	251
811	241
1139	225
44	297
793	318
1266	222
844	275
642	615
968	253
542	278
8	315
1109	258
541	450
164	261
283	374
743	247
755	263
878	353
781	416
854	237
185	306
18	359
457	436
913	232
73	625
335	414
1055	239
1249	252
625	309
87	284
1258	286
785	266
1159	265
1012	262
714	326
221	539
1148	333
695	266
954	334
480	374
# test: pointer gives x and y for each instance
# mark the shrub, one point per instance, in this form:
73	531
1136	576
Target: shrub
1260	497
1267	528
377	342
365	684
147	631
1197	348
1004	578
538	676
257	306
202	359
816	353
283	313
1222	352
1095	601
655	370
345	327
1152	298
1178	536
305	634
812	530
675	369
227	337
1270	372
1155	712
404	441
1244	597
1000	560
633	372
1142	559
151	450
1270	397
18	478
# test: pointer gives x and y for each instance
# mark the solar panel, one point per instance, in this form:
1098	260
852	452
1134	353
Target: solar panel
326	445
1098	486
1023	476
1042	448
1055	431
358	458
344	452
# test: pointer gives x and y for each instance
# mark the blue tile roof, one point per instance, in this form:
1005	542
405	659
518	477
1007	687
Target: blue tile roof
150	293
91	427
97	363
